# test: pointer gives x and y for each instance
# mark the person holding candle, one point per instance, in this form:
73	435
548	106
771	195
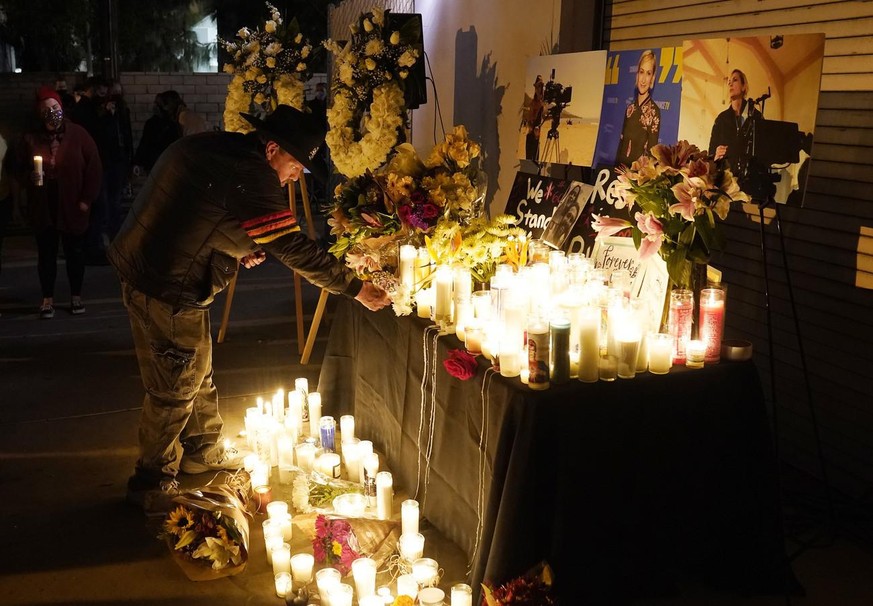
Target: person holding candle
60	194
213	201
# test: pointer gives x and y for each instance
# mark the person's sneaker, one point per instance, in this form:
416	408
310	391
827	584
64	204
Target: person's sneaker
46	312
218	459
151	496
77	307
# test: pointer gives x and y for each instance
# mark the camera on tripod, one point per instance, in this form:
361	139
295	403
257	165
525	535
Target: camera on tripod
556	93
768	143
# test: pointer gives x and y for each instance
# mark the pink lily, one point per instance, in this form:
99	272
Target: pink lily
653	234
607	226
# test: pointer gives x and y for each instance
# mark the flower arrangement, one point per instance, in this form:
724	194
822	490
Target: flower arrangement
270	67
531	589
315	490
335	543
368	108
680	191
208	526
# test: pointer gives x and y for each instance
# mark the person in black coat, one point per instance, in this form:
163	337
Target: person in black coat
729	136
158	132
213	201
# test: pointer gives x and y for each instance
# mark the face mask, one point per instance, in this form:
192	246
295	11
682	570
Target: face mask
53	117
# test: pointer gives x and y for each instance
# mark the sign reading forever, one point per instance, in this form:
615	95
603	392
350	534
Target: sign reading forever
616	253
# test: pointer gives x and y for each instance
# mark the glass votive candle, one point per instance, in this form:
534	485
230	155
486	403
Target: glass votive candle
607	368
473	336
305	455
660	353
283	583
263	497
281	558
462	595
425	571
364	573
431	596
411	546
482	304
326	579
328	463
341	594
407	585
277	509
301	568
272	536
424	299
628	346
384	593
695	353
347	427
409	517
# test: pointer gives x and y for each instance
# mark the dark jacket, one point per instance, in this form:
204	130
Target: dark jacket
732	130
75	169
211	199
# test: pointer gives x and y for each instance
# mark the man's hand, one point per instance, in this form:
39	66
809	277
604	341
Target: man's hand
720	152
372	297
255	258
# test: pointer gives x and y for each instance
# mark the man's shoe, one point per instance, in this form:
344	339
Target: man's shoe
77	307
152	496
46	312
218	459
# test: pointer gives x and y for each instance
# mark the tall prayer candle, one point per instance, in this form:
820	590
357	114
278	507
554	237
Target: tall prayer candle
384	494
679	321
409	516
281	558
365	448
364	573
411	545
712	322
325	580
660	353
559	350
408	255
442	311
347	427
407	585
306	455
589	343
462	283
370	464
424	302
327	424
313	401
283	584
301	568
352	459
462	595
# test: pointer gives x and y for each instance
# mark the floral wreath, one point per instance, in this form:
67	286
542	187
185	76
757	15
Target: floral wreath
269	68
368	106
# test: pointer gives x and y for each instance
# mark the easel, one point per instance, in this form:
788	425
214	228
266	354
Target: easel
298	285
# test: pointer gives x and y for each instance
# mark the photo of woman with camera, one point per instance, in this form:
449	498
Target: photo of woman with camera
642	119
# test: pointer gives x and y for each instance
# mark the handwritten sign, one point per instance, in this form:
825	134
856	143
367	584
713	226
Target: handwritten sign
533	200
616	253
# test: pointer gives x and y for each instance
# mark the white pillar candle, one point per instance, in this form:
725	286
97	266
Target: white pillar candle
424	302
462	284
411	546
370	464
294	418
364	573
283	584
425	571
407	585
422	265
313	400
279	405
326	579
409	516
660	352
328	463
301	568
281	558
286	523
365	447
463	317
347	427
341	595
384	494
286	451
589	343
462	595
627	341
272	536
406	270
442	311
37	164
352	459
260	475
305	455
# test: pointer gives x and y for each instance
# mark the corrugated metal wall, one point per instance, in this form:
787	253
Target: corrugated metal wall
828	242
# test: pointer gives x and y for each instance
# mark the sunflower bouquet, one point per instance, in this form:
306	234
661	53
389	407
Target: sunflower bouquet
207	532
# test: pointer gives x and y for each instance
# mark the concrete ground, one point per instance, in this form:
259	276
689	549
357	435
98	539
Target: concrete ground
70	400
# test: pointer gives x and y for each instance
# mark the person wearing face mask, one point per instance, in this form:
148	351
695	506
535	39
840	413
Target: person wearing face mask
642	118
212	201
61	187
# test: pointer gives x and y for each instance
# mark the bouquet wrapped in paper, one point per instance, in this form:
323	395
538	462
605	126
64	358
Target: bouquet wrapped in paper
207	531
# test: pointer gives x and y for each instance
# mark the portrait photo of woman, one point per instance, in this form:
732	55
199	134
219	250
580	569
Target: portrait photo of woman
642	118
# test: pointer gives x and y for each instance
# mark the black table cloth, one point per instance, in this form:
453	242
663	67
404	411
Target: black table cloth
621	487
